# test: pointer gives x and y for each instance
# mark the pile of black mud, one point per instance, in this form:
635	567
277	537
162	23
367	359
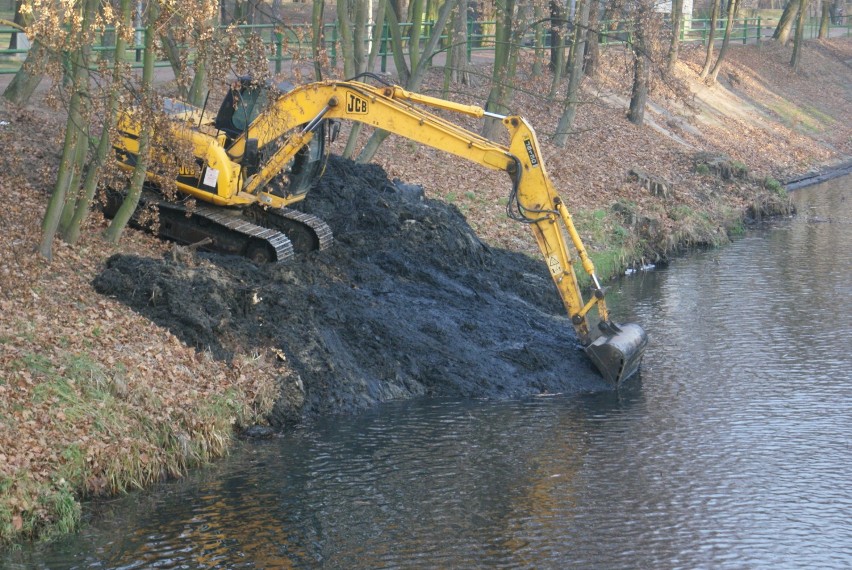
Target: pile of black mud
407	302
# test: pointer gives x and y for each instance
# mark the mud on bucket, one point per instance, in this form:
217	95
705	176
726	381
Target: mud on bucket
618	354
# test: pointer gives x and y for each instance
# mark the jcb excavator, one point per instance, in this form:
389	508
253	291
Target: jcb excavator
264	149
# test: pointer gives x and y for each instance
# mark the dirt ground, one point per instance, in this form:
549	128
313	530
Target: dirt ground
408	302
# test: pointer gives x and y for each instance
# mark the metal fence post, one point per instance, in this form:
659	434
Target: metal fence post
383	46
279	48
334	45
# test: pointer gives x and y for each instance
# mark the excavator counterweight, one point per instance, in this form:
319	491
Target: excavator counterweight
263	150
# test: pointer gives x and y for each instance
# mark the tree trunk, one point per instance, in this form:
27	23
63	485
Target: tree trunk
402	69
173	54
732	10
29	76
825	20
677	24
416	77
538	18
639	95
593	50
23	20
457	67
317	37
73	132
798	42
359	35
575	63
80	152
558	27
131	201
785	23
416	33
557	45
503	71
378	28
81	209
344	26
360	64
708	57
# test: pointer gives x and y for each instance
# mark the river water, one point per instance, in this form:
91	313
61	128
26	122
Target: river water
733	449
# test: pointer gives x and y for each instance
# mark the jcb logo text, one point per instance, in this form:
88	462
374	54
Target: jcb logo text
356	105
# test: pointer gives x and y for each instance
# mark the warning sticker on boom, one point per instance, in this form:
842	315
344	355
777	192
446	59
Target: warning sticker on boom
531	152
554	265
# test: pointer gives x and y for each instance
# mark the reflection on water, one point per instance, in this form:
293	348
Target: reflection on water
730	451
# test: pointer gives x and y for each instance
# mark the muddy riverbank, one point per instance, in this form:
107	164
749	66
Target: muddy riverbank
408	302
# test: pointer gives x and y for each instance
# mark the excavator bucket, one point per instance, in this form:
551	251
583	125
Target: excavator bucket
618	352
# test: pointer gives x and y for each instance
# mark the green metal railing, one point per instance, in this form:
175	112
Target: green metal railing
291	43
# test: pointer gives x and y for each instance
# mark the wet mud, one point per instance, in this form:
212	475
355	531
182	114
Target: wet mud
407	302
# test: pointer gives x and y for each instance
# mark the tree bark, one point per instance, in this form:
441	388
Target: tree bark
825	19
708	56
416	77
317	37
344	25
732	10
785	23
575	63
558	28
402	69
557	45
416	32
677	24
83	204
137	179
639	94
22	20
503	73
29	76
457	68
799	41
593	50
73	133
359	35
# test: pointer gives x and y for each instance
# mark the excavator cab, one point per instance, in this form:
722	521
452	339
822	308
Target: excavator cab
246	101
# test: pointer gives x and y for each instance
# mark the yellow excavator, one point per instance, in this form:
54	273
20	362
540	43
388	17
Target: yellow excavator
264	148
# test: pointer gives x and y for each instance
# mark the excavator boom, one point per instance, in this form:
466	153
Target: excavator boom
290	124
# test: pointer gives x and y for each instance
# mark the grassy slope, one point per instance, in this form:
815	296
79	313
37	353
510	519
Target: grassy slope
760	114
94	399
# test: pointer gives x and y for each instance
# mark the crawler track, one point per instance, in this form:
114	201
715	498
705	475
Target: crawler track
261	234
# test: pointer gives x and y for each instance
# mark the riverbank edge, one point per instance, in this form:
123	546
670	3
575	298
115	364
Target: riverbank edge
54	508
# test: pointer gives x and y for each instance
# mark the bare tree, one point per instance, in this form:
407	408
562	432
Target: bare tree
71	231
456	68
575	65
732	10
415	76
785	23
799	41
677	23
825	19
317	37
591	63
75	35
639	89
708	56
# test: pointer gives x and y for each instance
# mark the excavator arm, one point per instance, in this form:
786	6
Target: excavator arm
615	349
